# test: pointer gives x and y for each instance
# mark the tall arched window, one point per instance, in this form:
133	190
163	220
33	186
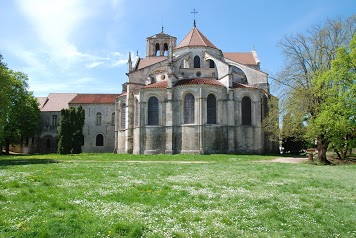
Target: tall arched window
211	64
157	50
165	49
99	140
189	109
98	119
246	111
196	62
152	116
123	116
211	109
113	119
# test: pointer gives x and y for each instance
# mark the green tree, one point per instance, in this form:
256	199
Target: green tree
21	113
337	113
70	134
306	56
4	97
292	134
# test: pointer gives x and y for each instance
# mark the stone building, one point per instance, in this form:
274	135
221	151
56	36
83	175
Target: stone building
192	98
98	128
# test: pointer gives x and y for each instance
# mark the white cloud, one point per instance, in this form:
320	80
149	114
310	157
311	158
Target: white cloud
94	64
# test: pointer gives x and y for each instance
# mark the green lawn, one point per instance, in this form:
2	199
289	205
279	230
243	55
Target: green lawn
106	195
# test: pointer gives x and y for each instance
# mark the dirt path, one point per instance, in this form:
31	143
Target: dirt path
290	160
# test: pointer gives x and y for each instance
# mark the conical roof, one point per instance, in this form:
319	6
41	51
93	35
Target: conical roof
195	38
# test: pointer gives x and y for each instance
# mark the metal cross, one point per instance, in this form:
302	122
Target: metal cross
194	12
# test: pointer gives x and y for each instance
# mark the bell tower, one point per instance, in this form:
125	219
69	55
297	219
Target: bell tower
158	45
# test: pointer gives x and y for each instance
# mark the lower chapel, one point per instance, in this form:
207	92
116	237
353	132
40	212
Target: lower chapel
181	98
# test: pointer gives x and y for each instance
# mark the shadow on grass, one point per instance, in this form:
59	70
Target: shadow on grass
10	162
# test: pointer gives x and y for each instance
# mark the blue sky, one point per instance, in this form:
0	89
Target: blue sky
82	45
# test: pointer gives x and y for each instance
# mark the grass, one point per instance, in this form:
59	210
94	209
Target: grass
106	195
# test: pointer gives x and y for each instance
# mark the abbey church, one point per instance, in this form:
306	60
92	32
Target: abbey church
189	97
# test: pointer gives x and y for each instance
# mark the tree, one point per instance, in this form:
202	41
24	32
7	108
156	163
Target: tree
20	112
337	114
306	56
4	97
292	134
70	132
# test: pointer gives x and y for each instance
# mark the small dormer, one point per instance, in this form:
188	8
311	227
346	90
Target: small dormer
158	45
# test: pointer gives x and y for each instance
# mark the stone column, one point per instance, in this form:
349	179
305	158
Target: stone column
200	121
230	113
169	122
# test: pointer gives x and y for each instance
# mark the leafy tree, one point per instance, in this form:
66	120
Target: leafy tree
306	57
70	132
4	97
20	113
292	134
337	114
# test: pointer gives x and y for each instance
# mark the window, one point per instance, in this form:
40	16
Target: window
157	50
123	116
99	140
98	119
82	139
189	109
196	62
54	120
165	49
152	116
113	119
246	111
211	109
211	64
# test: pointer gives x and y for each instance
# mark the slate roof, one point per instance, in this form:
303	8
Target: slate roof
145	62
195	38
56	102
246	58
94	99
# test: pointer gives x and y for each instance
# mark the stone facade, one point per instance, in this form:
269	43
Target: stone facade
98	130
192	98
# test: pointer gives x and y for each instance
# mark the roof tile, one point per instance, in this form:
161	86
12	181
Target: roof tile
145	62
193	81
94	99
57	102
241	57
195	38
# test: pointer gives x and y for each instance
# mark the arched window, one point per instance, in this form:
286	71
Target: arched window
196	62
98	119
123	116
211	64
113	119
165	49
157	49
211	109
246	111
152	117
189	109
99	140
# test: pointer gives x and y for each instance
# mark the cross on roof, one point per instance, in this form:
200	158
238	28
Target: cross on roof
194	12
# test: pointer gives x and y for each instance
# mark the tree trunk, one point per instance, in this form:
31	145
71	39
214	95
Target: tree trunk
7	147
323	144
